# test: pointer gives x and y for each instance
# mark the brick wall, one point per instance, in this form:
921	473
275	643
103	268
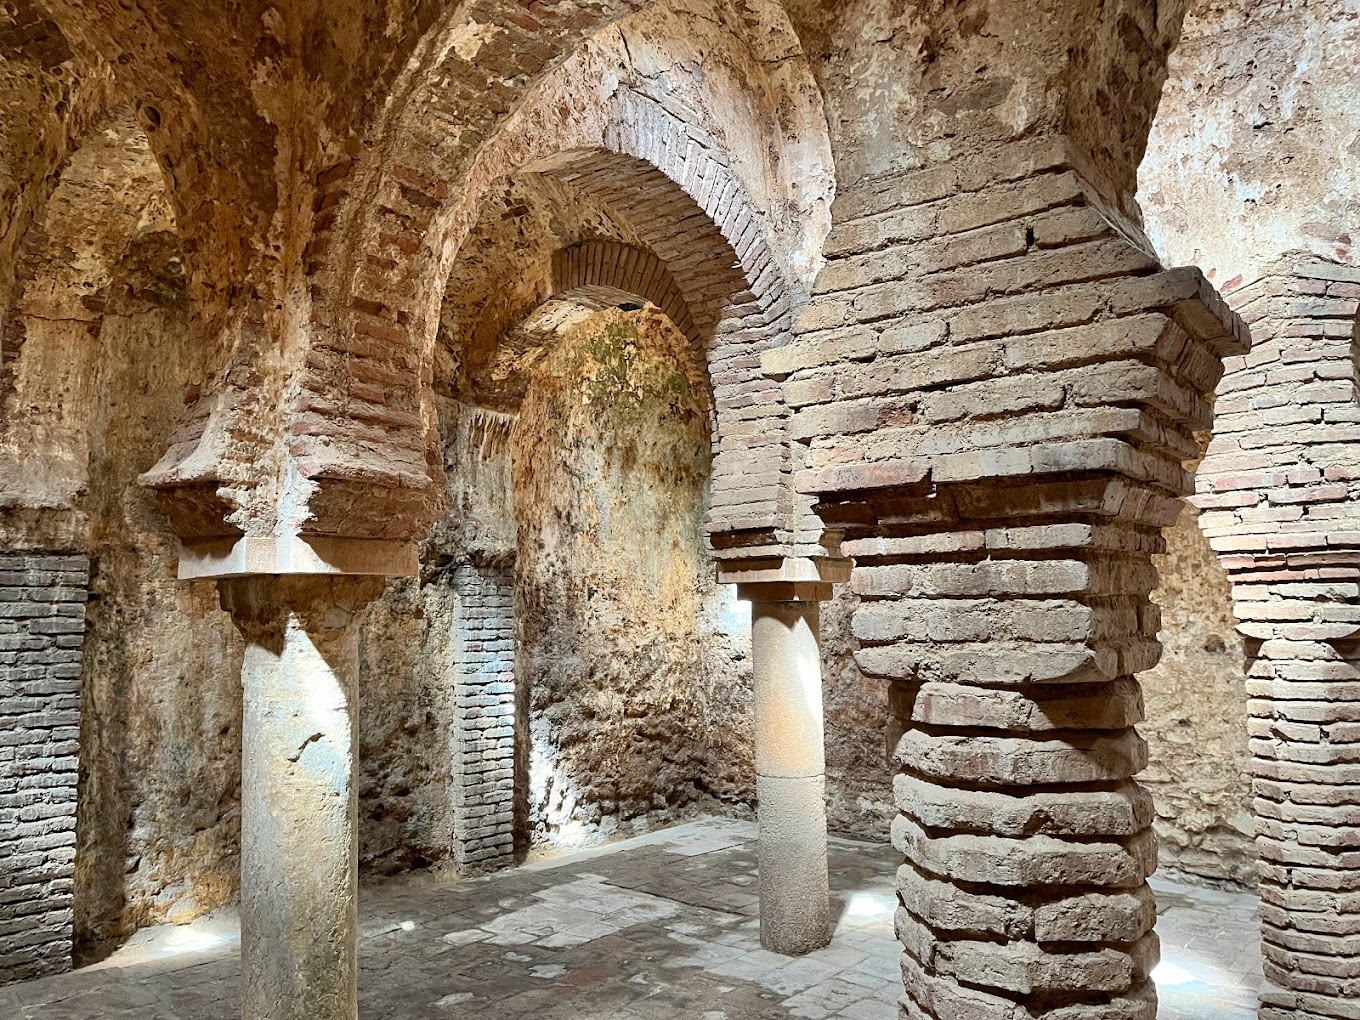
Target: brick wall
484	716
42	625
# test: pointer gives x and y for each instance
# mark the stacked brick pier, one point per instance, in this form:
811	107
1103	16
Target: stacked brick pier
997	387
1280	491
42	629
484	716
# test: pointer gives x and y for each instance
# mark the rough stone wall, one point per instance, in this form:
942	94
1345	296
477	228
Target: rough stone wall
909	87
160	737
410	657
405	756
42	627
1199	764
50	99
105	226
1249	173
859	766
98	371
637	685
1256	144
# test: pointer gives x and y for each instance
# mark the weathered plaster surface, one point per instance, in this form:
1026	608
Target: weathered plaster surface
192	240
408	650
1199	770
159	815
858	763
1255	150
906	88
628	650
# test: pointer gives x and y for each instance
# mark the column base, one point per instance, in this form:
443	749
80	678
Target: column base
795	910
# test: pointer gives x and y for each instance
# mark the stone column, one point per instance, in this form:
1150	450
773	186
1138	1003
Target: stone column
299	848
785	596
795	913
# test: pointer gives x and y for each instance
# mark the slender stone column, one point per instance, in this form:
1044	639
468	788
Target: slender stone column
790	766
299	849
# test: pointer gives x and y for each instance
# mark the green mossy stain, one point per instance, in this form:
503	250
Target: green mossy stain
625	382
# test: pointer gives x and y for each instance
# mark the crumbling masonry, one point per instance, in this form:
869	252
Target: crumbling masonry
433	434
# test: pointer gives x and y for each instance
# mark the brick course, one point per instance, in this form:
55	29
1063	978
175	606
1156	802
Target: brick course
998	428
42	627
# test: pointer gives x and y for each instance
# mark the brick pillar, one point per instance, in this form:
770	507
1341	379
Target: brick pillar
42	628
1011	641
484	716
1303	675
1280	493
997	386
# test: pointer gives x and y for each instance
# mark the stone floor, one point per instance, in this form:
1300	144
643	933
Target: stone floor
661	926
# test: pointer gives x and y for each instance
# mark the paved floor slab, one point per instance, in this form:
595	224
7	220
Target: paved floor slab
657	927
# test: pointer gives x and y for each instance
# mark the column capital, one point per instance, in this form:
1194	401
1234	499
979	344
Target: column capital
324	606
786	579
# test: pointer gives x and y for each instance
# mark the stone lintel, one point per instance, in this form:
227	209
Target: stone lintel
841	479
786	591
297	554
786	579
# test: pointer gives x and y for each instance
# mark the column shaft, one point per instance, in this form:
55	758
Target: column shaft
1027	843
790	776
299	850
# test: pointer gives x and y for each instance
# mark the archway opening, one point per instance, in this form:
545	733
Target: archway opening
630	654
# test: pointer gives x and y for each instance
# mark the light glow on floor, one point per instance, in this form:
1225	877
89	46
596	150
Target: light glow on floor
1167	973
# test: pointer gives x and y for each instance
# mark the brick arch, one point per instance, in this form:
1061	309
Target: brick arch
667	177
671	182
584	270
596	274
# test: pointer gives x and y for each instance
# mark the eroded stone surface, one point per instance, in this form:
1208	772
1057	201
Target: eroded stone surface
298	272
